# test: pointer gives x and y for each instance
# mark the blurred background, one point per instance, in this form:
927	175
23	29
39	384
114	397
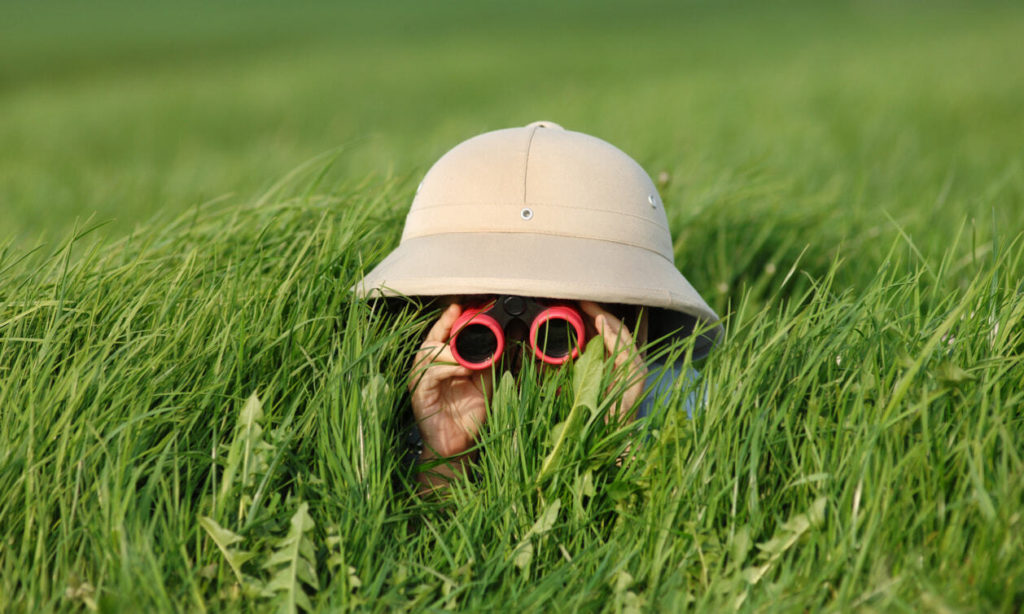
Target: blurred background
112	112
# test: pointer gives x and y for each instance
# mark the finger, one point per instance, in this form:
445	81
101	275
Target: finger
439	373
430	358
431	377
441	329
592	309
435	347
595	311
616	336
434	352
619	343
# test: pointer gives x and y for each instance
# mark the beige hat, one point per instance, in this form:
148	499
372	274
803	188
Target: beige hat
546	212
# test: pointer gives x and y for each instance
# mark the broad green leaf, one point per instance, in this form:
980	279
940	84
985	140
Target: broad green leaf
953	374
506	389
523	555
242	462
547	519
816	515
225	538
622	580
252	412
221	536
556	432
741	544
294	563
586	383
620	490
353	578
585	484
586	391
754	574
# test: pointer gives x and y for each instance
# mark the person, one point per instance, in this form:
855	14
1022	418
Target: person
551	215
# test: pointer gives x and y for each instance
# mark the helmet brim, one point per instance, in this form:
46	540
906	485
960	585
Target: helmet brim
539	265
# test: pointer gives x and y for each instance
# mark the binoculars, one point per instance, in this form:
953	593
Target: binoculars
555	332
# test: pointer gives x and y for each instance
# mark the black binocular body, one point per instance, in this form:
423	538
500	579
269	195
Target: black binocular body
555	331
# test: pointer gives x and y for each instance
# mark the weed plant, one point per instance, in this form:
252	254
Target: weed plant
201	416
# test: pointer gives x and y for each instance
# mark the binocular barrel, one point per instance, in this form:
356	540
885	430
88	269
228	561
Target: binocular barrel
556	333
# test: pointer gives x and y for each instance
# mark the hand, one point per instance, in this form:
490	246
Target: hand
629	364
448	400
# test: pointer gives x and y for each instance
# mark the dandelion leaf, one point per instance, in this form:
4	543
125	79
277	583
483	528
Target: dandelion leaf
586	387
547	519
523	555
224	538
294	563
586	382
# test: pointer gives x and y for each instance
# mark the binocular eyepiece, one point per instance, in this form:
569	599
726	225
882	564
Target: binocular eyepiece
556	332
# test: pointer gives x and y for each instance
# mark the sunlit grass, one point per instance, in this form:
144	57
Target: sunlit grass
858	446
196	414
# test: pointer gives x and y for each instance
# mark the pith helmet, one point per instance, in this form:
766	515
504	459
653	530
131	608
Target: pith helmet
546	212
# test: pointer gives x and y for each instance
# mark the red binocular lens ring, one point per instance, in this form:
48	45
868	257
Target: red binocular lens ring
469	319
559	312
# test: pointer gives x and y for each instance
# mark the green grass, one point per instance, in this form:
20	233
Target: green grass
196	414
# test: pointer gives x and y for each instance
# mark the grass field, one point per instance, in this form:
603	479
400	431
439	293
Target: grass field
195	414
